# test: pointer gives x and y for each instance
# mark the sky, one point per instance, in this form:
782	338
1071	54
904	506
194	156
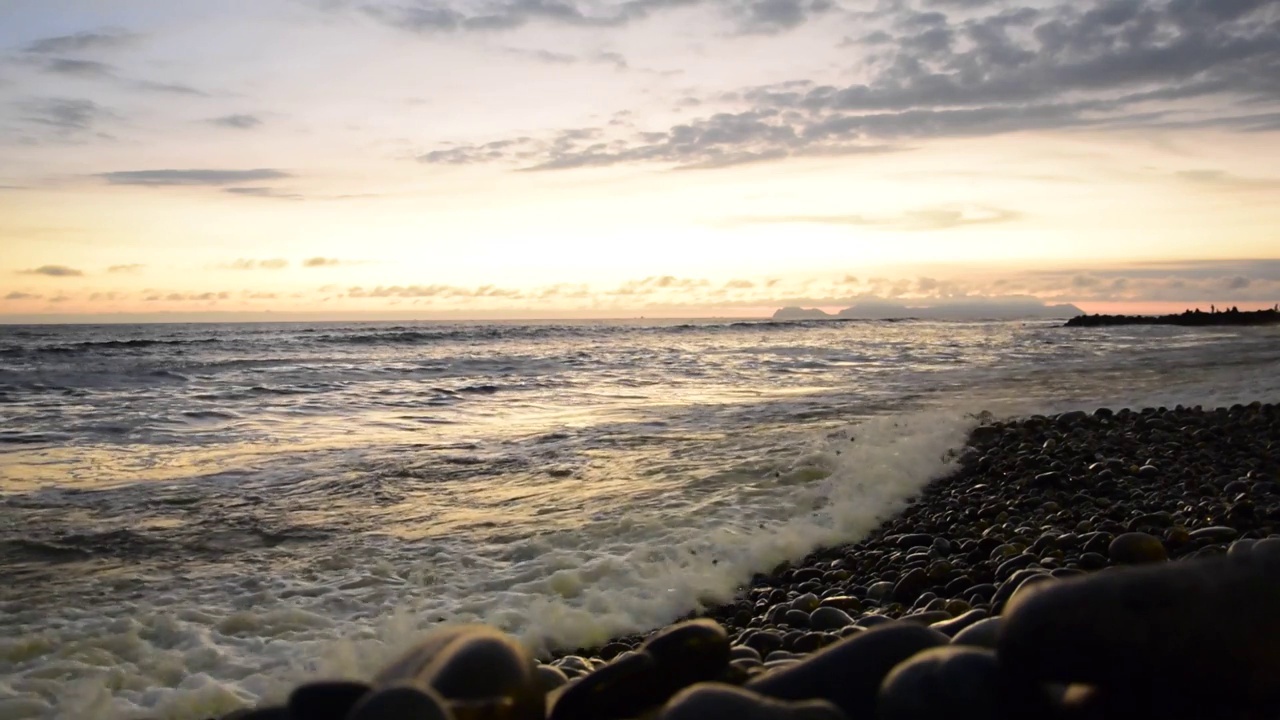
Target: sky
573	158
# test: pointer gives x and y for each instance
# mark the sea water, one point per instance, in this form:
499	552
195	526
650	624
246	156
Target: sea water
193	518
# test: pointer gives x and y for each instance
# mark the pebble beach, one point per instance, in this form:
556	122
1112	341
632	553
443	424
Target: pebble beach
1101	564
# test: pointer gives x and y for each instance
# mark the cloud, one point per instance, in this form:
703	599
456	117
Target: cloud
979	69
263	192
434	16
916	220
1203	281
79	68
170	88
53	271
319	262
433	291
80	42
208	297
15	295
126	269
723	140
775	16
66	116
1224	180
247	264
169	178
238	122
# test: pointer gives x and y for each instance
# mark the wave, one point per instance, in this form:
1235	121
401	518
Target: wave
95	346
606	576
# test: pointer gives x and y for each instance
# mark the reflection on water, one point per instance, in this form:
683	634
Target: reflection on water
189	511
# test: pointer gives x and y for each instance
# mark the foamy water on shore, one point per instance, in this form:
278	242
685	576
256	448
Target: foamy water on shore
193	518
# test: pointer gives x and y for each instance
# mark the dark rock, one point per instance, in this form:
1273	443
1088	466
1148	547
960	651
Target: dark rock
549	677
842	602
400	702
1136	548
326	700
909	587
687	653
928	617
712	701
986	591
1014	564
1096	542
796	618
764	642
955	625
738	652
849	672
1175	630
980	634
266	713
807	643
955	683
829	618
1215	534
907	542
613	650
1092	561
621	689
805	603
1010	586
1051	479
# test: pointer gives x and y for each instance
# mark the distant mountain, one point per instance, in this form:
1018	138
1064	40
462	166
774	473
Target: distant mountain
798	313
1011	308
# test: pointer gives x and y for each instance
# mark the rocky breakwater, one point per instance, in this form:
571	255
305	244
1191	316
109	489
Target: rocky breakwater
1087	565
1189	318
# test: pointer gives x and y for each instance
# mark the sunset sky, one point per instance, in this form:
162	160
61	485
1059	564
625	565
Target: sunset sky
542	158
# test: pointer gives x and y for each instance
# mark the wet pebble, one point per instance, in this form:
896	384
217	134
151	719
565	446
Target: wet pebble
849	673
708	701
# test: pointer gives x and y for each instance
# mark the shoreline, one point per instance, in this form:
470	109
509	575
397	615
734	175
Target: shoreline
1054	501
846	566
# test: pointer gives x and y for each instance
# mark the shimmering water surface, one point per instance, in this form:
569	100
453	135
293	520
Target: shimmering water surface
193	517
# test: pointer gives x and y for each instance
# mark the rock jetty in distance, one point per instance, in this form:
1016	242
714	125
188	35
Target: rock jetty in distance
1190	318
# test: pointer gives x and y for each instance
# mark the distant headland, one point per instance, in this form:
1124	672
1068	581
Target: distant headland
1011	308
1190	318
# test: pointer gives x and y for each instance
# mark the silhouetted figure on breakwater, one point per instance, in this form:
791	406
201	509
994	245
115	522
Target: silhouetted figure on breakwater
1193	318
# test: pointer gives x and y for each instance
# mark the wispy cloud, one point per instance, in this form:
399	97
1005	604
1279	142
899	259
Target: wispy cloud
53	271
425	18
182	178
80	68
263	192
238	122
168	87
1225	180
914	220
208	297
80	42
126	269
16	295
321	262
66	117
249	264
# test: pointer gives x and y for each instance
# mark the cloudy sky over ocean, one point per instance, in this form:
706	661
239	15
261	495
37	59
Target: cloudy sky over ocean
661	157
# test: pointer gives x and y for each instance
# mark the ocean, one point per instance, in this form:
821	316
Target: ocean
196	517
